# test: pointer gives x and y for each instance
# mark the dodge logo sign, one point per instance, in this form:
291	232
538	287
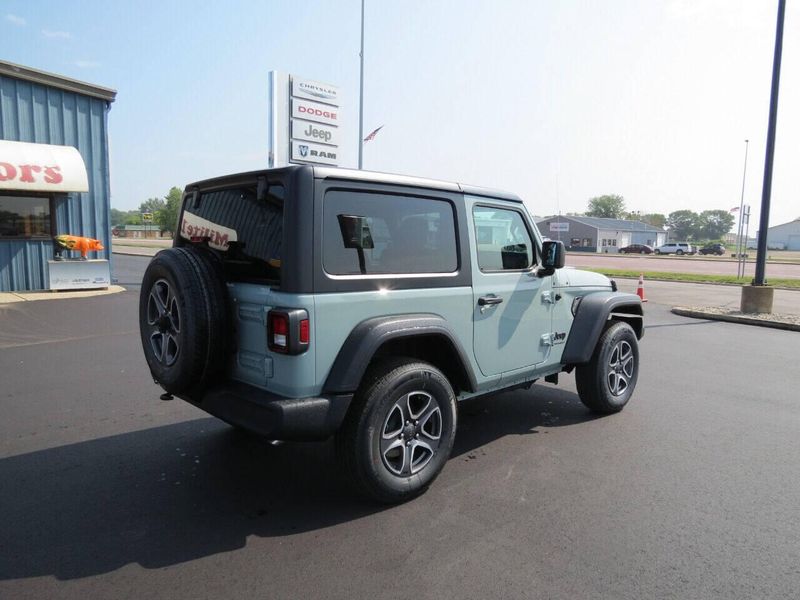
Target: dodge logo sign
303	150
314	111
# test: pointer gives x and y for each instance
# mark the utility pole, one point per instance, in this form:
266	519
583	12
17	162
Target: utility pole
361	96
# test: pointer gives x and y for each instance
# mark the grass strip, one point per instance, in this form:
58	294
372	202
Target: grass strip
694	277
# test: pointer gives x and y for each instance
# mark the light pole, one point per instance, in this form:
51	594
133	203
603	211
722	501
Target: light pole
361	96
758	297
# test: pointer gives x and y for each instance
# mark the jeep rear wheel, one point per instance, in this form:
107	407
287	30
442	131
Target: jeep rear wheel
607	382
399	431
182	319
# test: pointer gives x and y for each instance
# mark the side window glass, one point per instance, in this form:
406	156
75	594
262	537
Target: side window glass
504	243
371	233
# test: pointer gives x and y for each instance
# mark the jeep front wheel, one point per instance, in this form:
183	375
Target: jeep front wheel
606	382
399	431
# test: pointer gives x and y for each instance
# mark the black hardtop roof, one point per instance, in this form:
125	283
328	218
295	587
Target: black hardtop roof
357	175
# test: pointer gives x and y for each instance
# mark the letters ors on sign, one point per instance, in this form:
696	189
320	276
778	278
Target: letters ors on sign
559	226
314	90
314	111
303	151
315	132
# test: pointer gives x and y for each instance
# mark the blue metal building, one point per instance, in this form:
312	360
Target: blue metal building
39	197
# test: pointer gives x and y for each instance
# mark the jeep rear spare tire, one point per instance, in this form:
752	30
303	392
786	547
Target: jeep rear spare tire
182	319
399	431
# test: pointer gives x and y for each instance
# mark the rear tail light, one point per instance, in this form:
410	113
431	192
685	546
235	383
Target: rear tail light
288	330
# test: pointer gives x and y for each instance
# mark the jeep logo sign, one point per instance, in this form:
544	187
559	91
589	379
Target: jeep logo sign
314	132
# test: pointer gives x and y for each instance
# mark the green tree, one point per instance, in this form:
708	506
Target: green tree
684	224
152	205
118	217
167	217
713	224
610	206
133	217
654	219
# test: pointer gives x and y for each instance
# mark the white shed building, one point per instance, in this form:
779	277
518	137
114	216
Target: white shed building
785	236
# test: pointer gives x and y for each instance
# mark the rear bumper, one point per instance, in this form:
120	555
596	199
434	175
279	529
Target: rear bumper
273	416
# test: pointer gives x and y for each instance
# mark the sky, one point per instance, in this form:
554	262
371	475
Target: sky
556	101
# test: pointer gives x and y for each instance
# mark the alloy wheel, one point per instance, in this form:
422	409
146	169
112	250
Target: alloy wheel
411	433
621	367
164	321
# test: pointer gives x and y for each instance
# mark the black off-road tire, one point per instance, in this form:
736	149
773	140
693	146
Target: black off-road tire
364	452
183	319
615	361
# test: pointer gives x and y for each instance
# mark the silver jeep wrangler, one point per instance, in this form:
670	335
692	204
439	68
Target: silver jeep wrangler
304	302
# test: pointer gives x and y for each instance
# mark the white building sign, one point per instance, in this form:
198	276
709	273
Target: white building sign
559	226
305	121
41	168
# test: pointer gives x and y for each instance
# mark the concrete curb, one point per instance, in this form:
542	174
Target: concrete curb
143	254
646	279
12	297
701	314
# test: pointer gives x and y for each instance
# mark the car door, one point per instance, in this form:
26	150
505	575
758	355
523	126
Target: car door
511	311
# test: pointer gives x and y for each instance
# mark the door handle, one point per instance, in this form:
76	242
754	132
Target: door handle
489	300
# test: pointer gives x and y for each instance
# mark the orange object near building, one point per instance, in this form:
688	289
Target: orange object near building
84	245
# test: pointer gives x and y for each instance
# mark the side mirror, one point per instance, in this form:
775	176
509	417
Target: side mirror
552	257
355	232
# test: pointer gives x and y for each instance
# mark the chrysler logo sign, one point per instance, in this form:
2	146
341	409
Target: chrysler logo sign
314	90
318	92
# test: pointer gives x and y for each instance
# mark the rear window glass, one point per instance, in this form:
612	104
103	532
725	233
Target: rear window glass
245	231
400	234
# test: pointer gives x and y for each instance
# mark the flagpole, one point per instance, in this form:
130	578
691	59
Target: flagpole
361	96
739	246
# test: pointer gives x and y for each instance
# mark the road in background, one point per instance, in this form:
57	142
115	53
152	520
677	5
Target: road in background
672	264
107	492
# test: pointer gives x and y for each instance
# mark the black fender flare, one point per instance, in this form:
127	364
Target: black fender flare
594	311
369	335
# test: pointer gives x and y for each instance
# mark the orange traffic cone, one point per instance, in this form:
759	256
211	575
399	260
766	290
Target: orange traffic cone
640	289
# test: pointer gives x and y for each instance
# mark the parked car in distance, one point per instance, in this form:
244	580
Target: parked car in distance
679	248
636	249
717	249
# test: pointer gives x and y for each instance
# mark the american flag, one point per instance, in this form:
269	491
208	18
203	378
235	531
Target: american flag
734	209
371	136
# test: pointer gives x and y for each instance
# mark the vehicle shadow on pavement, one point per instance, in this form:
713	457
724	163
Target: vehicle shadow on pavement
175	493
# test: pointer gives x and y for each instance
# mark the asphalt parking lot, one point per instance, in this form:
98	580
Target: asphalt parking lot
107	492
